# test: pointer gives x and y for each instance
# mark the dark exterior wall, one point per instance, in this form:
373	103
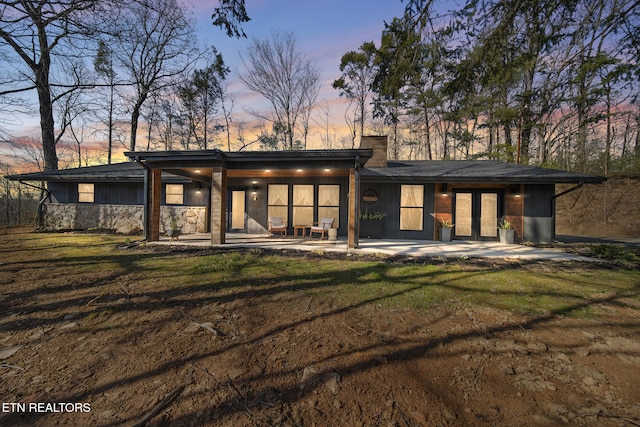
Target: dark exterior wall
539	216
123	193
389	203
257	210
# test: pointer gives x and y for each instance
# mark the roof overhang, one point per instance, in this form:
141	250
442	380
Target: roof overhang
198	165
473	171
252	159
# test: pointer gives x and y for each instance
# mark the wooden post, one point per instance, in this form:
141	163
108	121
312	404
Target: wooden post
155	196
218	205
354	220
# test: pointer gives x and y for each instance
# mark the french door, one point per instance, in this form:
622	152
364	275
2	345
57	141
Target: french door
476	214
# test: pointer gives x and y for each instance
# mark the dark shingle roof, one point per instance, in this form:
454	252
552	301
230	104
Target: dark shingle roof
473	171
403	170
121	172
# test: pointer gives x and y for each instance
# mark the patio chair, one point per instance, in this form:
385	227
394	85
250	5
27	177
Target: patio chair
277	226
321	227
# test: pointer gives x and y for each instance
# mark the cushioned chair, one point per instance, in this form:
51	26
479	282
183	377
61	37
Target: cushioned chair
277	226
321	227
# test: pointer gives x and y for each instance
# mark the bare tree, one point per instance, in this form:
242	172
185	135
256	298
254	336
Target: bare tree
154	44
104	67
286	77
34	31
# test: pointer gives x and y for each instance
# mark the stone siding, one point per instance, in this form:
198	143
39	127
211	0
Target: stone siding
123	219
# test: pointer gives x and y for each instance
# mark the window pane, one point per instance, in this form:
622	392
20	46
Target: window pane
328	195
174	193
278	194
280	211
303	195
488	215
302	215
463	214
237	209
412	196
411	219
85	193
330	212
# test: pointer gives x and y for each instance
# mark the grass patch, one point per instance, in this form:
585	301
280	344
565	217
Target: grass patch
574	290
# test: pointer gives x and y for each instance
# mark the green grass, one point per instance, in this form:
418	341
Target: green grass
571	290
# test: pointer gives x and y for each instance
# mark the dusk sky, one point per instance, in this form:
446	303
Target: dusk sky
325	30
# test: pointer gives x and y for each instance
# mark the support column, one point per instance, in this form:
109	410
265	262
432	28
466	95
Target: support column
154	198
218	205
354	208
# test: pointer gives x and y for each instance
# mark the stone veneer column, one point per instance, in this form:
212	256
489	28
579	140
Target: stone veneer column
218	205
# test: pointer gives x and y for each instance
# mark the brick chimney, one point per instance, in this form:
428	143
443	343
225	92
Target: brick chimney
379	146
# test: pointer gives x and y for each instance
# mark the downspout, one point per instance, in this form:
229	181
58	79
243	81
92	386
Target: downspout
553	202
47	195
145	219
356	204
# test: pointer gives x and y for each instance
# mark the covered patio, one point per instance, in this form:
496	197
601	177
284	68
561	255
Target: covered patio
223	172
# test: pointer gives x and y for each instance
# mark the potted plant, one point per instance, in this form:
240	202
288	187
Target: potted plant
173	232
371	224
506	232
445	230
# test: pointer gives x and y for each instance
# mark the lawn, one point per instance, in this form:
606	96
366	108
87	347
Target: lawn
246	337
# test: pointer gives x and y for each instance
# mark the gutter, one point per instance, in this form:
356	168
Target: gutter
577	187
47	195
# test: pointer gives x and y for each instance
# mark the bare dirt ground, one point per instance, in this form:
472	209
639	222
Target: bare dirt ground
275	355
608	210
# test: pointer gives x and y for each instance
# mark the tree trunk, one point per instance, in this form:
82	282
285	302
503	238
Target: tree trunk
46	115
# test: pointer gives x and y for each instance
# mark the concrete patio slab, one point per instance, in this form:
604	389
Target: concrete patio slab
417	248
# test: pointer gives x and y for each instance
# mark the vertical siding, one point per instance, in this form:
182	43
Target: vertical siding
539	218
389	203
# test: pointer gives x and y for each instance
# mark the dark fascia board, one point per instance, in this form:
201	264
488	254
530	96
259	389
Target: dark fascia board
473	171
252	159
116	172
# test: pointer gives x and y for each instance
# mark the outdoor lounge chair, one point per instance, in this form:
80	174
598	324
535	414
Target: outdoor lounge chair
277	226
321	227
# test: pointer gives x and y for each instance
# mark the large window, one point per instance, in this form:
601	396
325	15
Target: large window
302	204
86	193
329	203
411	207
278	201
175	194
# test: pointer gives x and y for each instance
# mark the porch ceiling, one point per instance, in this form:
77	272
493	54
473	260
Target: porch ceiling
199	165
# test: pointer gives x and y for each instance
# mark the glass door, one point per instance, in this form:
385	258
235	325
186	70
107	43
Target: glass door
476	214
237	213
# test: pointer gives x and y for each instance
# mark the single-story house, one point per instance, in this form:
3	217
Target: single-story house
216	192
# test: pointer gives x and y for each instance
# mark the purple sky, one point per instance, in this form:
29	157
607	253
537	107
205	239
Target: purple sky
325	30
